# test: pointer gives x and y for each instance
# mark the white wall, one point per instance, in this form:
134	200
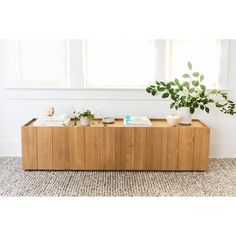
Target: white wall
18	106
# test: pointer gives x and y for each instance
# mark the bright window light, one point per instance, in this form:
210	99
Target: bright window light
204	55
42	63
119	63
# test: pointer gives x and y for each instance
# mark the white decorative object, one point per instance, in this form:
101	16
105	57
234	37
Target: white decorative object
173	120
49	111
108	120
85	121
186	116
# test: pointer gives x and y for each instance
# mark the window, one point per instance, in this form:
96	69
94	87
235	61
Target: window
204	55
137	63
42	63
85	64
122	63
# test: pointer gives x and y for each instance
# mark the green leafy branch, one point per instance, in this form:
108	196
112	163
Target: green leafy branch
192	93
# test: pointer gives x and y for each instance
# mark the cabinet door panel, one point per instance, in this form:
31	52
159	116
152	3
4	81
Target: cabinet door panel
44	147
170	142
153	158
107	148
29	148
201	148
60	148
130	148
91	148
124	148
76	148
186	145
139	148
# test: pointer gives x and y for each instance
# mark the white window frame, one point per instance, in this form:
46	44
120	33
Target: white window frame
67	67
75	88
223	65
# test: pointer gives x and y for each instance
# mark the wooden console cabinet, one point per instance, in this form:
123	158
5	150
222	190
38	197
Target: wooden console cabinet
115	147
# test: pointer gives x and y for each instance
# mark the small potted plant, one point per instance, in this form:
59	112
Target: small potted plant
191	94
86	117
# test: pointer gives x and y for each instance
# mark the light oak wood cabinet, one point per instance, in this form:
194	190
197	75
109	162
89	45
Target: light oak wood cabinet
115	147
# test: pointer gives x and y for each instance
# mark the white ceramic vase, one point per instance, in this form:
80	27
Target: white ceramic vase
85	121
186	116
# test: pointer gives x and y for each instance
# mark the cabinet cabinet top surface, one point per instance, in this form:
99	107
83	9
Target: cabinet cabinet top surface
119	123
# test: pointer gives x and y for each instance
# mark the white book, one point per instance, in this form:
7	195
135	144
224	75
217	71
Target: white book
137	121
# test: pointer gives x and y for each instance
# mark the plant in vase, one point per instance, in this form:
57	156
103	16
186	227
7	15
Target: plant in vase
191	94
86	117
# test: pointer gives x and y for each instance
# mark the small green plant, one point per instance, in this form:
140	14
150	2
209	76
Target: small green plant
87	113
192	93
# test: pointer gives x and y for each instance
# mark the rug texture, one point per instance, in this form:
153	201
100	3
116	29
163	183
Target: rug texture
220	180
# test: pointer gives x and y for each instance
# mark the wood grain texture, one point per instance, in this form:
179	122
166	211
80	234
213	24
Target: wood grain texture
91	140
29	148
60	148
186	148
153	157
76	148
170	148
124	148
139	148
106	148
115	147
201	148
44	147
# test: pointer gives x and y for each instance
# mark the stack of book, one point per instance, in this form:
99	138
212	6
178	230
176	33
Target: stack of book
62	120
137	121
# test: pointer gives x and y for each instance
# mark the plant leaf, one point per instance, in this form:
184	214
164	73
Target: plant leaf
161	89
195	83
203	87
154	92
181	88
186	75
201	107
192	110
207	109
186	84
190	65
195	74
177	81
201	77
172	105
165	95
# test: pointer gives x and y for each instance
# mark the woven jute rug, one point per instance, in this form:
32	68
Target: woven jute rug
220	180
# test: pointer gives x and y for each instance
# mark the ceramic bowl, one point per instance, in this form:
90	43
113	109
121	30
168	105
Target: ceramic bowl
173	120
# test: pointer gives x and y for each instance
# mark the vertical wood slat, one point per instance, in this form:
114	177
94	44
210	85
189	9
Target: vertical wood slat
124	148
76	148
29	148
186	148
106	148
130	148
201	148
153	157
60	150
139	148
91	139
170	148
44	146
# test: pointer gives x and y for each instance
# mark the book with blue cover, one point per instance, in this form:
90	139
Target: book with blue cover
137	121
